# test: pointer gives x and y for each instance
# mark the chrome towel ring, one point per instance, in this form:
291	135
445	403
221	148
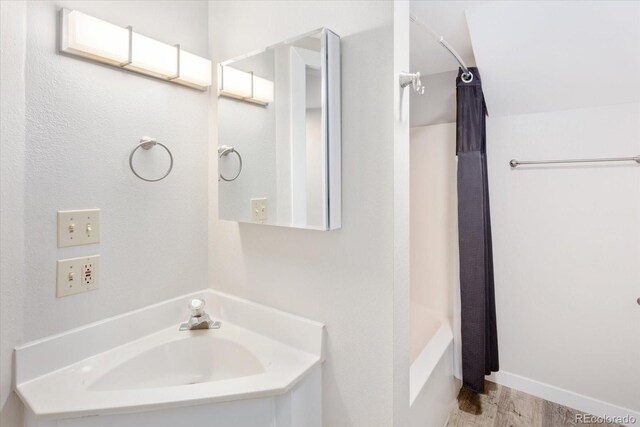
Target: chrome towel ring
224	150
147	143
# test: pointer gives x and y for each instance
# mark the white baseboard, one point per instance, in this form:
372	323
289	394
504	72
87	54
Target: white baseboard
564	397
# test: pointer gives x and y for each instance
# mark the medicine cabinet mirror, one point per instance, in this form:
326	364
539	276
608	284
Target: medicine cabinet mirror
279	159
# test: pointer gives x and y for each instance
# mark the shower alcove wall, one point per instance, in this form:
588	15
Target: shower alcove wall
434	273
434	253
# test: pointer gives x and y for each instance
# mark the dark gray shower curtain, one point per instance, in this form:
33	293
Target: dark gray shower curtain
479	337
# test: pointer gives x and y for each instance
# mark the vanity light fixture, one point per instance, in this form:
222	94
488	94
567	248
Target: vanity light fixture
244	85
89	37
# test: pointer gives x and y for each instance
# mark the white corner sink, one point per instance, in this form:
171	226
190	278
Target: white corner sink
175	359
140	361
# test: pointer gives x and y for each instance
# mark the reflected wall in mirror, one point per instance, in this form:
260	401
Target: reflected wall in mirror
279	134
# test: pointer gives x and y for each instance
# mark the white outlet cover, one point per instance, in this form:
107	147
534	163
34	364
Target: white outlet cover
80	227
77	275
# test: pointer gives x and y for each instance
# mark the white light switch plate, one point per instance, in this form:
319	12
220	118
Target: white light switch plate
76	275
259	210
78	227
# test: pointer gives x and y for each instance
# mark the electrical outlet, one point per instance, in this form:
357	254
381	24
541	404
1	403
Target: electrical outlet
88	273
78	227
259	210
76	275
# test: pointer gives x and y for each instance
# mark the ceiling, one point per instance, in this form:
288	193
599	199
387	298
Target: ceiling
446	18
439	68
533	56
537	56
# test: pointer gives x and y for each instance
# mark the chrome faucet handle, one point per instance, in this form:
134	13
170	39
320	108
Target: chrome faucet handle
198	319
196	306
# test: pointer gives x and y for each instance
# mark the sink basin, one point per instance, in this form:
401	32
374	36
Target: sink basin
141	362
196	358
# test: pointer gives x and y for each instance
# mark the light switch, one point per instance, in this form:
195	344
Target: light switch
259	210
78	227
76	275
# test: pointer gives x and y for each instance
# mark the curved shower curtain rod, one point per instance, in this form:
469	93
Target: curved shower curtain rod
467	76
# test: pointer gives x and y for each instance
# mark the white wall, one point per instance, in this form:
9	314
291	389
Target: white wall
434	218
438	103
82	120
566	243
12	163
344	278
401	215
435	267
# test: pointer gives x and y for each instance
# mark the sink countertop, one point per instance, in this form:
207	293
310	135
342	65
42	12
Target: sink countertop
285	347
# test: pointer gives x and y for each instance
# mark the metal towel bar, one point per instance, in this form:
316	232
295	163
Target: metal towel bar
514	163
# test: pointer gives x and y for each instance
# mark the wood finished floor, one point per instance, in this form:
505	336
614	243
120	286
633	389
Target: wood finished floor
501	406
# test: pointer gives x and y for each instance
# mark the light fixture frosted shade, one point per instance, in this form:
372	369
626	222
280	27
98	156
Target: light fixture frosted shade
90	37
195	71
243	85
233	82
152	57
262	90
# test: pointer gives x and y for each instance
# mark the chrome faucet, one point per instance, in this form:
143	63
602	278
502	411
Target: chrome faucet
199	319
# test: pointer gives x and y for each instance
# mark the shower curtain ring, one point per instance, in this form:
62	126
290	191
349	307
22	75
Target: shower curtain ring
467	77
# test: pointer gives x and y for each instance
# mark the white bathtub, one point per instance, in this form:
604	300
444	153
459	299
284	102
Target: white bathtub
432	385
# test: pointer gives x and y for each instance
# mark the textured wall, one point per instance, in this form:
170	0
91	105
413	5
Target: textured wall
12	162
344	278
82	120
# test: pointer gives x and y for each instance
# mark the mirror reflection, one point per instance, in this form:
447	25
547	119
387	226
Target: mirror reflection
273	143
